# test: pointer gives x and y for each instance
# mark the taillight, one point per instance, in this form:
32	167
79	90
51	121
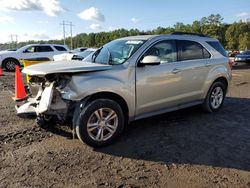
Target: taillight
230	62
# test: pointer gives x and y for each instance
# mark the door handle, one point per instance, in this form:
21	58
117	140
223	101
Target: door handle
175	71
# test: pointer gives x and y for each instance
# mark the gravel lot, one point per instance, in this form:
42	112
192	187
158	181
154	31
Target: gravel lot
187	148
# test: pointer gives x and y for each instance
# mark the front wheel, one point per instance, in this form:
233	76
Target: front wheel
215	97
100	122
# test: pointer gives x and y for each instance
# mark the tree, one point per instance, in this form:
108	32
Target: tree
233	34
244	41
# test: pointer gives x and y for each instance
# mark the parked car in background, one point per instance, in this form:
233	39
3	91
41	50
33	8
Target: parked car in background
73	56
129	79
8	59
84	54
233	53
80	49
243	57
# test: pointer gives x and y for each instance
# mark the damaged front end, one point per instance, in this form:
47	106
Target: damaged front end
45	99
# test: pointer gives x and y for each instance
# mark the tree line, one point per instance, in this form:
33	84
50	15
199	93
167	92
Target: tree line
234	36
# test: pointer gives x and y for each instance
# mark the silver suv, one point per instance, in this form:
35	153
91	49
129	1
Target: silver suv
129	79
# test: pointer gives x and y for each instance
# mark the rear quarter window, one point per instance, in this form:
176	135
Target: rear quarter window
218	47
60	48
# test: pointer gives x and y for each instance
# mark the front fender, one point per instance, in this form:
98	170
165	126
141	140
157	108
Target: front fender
87	84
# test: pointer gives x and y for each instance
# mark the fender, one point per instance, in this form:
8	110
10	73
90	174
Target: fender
218	71
83	85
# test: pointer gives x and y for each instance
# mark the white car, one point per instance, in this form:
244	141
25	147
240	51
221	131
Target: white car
8	59
74	56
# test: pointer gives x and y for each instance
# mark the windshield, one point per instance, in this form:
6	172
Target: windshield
115	52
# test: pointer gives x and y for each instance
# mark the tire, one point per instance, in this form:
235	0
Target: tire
10	64
93	129
215	97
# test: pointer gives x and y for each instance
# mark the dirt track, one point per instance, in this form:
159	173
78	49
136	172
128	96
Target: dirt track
187	148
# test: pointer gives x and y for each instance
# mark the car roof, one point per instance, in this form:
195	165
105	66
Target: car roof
45	45
169	36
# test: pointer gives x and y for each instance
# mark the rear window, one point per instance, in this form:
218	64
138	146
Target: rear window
218	47
60	48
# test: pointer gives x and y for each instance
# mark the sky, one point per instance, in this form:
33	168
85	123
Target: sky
40	19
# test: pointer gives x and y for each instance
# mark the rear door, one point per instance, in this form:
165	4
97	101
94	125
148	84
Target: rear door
192	59
44	51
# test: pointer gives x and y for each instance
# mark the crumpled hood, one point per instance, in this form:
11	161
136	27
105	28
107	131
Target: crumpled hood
64	67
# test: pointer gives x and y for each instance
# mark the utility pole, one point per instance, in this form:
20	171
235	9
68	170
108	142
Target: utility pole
71	38
12	41
16	41
64	23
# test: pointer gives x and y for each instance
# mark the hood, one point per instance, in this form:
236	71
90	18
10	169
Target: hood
6	52
64	67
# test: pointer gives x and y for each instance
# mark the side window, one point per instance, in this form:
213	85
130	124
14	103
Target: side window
190	50
60	48
44	49
165	50
30	49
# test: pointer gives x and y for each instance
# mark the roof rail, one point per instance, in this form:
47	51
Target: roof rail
188	33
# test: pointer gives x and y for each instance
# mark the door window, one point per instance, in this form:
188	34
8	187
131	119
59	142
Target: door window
44	49
165	50
190	50
30	49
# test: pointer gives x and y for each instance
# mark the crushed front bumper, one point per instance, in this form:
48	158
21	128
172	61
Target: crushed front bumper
47	101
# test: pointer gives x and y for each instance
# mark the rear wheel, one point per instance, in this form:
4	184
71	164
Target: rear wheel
10	64
100	122
215	97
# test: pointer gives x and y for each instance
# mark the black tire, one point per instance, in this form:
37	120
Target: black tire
10	64
208	102
88	113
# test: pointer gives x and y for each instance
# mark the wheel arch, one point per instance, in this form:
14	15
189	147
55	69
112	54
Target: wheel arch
9	58
223	80
112	96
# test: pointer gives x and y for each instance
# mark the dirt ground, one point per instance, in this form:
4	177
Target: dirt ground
187	148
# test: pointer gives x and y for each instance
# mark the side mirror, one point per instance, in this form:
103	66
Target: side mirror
150	60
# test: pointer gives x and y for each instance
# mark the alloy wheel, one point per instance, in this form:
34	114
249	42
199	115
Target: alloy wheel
102	124
216	98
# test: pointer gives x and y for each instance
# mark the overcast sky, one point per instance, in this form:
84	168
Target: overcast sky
40	19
